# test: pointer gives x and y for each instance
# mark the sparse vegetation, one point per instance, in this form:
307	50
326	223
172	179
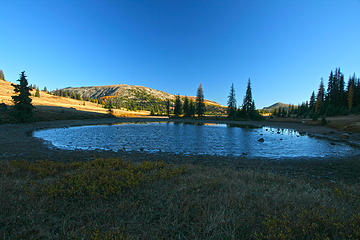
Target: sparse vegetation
116	199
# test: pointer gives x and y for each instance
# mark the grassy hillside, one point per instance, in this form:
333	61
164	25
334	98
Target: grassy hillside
50	107
134	97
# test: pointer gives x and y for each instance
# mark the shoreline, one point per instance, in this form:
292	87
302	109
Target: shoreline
16	140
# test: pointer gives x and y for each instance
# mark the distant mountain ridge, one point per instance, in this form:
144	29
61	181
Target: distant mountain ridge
125	91
277	105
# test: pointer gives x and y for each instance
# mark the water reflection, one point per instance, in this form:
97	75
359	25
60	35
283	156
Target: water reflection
185	138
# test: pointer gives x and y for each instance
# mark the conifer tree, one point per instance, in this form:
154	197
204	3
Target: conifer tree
178	107
2	76
191	108
350	92
231	110
319	105
186	107
37	93
168	108
200	105
45	89
312	102
22	100
248	105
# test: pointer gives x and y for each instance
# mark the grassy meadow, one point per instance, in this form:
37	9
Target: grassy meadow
116	199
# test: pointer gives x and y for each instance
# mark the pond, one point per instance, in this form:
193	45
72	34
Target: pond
212	139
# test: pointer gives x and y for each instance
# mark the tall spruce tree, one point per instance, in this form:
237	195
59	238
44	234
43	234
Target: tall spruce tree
312	102
351	92
192	109
248	104
178	107
168	107
200	104
186	107
22	100
2	76
37	93
319	105
231	110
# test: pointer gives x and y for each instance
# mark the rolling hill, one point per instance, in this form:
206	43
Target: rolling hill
125	91
51	107
134	97
276	106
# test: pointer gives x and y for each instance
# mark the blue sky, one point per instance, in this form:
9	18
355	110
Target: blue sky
283	46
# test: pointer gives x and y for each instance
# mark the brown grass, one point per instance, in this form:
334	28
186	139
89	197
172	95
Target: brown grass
168	201
50	107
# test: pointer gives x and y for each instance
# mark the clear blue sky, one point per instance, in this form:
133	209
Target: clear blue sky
284	46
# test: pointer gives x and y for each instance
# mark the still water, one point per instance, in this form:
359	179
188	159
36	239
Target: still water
213	139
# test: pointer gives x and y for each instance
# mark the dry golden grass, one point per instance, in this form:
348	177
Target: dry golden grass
169	201
50	107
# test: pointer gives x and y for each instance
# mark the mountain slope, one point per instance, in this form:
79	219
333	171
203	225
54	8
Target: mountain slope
277	105
51	107
125	91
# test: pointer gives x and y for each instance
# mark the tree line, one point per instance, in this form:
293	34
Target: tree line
189	108
247	110
339	98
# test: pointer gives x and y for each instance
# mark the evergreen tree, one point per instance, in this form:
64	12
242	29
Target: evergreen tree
200	105
350	92
186	107
45	89
231	110
78	96
22	100
37	93
248	105
2	76
319	105
168	108
192	108
178	107
312	102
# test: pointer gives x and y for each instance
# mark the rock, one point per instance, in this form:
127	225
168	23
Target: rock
261	140
332	143
345	136
281	139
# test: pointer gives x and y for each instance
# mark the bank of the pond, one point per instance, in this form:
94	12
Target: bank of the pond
16	142
16	139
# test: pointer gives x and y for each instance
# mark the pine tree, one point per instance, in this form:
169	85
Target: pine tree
200	105
312	102
351	92
178	107
231	110
247	106
22	100
168	108
37	93
2	76
319	105
186	107
45	89
192	108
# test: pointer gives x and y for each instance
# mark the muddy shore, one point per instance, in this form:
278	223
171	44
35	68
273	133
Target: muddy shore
16	142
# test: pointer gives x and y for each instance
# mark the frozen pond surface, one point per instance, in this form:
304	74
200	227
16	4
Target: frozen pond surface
213	139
